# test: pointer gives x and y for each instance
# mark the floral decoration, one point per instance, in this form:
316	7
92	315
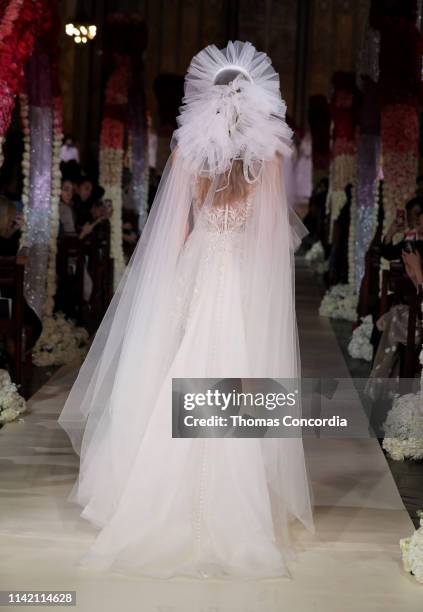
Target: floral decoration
315	258
340	302
399	135
403	428
359	346
412	551
60	342
22	24
12	404
24	112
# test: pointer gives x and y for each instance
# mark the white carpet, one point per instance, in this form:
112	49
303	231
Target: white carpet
352	564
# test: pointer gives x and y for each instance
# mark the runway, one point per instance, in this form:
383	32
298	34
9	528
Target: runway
353	563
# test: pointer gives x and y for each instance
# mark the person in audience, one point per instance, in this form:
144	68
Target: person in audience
10	228
67	214
315	217
92	209
83	198
68	228
393	325
10	233
69	151
338	259
130	233
394	240
412	257
71	171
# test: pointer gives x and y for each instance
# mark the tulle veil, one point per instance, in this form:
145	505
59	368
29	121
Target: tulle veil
108	411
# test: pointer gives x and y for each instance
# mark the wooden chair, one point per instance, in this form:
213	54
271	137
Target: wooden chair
12	285
70	276
100	267
396	280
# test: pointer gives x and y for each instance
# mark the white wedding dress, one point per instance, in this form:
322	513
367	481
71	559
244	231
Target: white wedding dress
214	302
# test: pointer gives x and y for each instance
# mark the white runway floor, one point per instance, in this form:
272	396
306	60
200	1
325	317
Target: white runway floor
353	563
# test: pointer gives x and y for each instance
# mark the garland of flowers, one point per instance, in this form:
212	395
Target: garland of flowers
339	302
359	346
54	208
112	156
12	404
24	112
412	551
352	237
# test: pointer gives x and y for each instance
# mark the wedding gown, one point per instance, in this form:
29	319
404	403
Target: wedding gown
216	301
195	506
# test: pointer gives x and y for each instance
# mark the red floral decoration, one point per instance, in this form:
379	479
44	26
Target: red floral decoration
400	63
22	23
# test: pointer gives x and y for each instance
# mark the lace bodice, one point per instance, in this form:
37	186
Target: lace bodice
226	217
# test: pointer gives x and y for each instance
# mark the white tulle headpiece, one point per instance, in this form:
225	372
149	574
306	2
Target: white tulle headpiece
243	119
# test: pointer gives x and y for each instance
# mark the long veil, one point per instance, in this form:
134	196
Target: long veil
109	412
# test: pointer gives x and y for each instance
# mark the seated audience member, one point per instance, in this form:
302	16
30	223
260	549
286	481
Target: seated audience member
10	228
66	211
130	233
400	227
84	197
67	214
394	324
315	217
412	256
10	233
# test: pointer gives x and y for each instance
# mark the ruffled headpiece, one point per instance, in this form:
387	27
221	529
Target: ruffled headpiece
243	119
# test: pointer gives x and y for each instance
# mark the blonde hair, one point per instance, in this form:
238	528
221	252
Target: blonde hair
7	216
231	186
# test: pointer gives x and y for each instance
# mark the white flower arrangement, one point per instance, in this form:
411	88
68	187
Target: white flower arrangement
340	302
403	428
316	253
60	342
412	551
315	258
12	404
359	346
